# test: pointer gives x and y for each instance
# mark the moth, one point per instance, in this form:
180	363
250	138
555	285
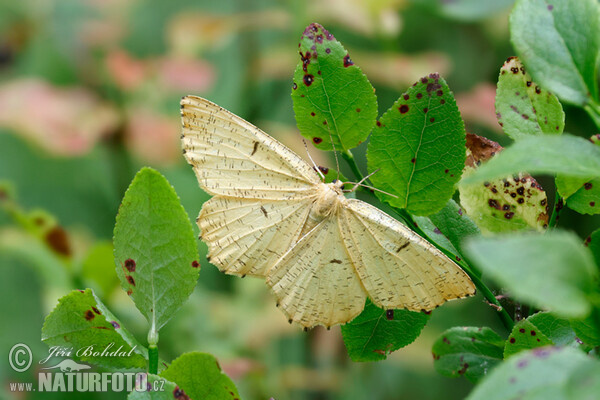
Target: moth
321	253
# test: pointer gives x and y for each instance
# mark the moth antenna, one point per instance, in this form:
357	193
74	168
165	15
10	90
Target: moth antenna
315	166
368	187
356	185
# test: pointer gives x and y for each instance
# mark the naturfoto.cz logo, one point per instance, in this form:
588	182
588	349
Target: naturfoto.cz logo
70	376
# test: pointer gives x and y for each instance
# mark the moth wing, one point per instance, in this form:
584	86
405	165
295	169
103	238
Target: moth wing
397	267
315	282
247	236
232	157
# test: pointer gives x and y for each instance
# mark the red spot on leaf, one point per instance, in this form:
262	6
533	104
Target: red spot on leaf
308	79
89	315
347	61
317	140
130	265
403	108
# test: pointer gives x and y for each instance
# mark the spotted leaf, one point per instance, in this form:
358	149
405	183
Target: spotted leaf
515	202
467	351
199	375
155	249
418	146
81	320
333	99
522	107
375	333
524	336
580	194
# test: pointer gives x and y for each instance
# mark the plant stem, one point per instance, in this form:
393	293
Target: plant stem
153	359
558	206
408	219
153	349
349	157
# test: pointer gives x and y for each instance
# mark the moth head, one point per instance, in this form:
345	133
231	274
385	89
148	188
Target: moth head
338	185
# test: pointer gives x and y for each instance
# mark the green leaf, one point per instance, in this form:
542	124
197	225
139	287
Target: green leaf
548	271
542	373
155	248
508	204
557	329
418	147
524	336
522	107
200	376
435	234
454	223
467	351
584	383
332	98
98	268
375	333
588	328
81	321
542	155
593	243
162	389
580	194
559	42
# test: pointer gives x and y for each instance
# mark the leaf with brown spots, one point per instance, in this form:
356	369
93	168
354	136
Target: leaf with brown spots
418	148
332	98
467	351
200	376
155	247
80	319
513	203
522	107
525	336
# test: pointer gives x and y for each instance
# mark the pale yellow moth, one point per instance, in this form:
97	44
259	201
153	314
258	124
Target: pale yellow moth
322	254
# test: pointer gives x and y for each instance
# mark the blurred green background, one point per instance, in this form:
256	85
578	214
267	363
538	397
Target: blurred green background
89	93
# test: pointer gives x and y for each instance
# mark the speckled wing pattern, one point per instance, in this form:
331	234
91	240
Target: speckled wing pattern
395	265
232	157
263	190
259	223
315	282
